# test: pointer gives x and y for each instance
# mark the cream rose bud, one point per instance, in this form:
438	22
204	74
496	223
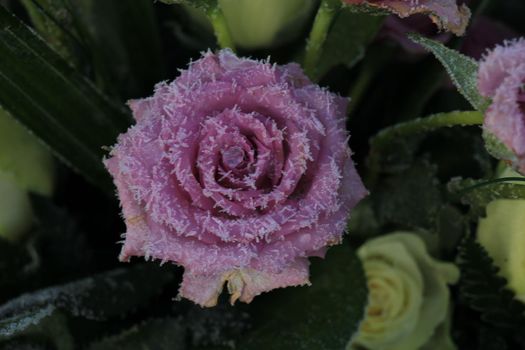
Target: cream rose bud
257	24
25	166
408	295
502	234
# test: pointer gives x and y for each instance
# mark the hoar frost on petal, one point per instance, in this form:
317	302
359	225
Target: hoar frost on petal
447	14
238	170
501	78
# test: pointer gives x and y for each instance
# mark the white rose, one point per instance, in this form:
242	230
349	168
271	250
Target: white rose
408	295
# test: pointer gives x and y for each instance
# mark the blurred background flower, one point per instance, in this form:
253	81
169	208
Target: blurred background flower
25	166
409	295
256	24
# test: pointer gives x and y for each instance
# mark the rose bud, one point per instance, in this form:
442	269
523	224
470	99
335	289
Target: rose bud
502	234
501	78
238	170
255	24
25	166
446	14
409	295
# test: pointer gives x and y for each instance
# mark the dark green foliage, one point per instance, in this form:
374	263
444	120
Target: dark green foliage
411	198
155	334
491	340
323	316
479	193
347	40
54	101
98	297
485	291
55	23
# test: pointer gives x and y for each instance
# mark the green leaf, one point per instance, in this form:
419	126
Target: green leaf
485	291
497	149
323	316
411	198
155	334
347	40
479	193
462	70
18	323
55	23
55	102
46	322
99	297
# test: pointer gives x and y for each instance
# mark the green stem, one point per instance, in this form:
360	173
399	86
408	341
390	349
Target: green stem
415	126
220	27
511	180
322	22
385	137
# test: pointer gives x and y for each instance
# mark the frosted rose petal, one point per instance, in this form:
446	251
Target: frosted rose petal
238	170
501	78
447	14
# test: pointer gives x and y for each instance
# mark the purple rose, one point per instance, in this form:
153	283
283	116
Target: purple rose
238	170
502	78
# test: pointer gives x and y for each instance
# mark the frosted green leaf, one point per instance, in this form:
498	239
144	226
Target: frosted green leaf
463	70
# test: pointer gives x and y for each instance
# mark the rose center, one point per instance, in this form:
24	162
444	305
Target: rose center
233	157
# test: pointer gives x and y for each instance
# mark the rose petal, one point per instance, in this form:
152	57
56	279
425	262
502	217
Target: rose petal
446	14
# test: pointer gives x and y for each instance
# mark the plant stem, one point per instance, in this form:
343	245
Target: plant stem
504	180
316	39
220	27
415	126
402	130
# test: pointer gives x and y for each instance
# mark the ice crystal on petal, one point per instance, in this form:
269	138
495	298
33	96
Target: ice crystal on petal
238	170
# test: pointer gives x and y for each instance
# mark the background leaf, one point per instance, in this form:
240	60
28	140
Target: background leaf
479	193
347	40
98	297
55	23
485	291
45	323
55	102
155	334
323	316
